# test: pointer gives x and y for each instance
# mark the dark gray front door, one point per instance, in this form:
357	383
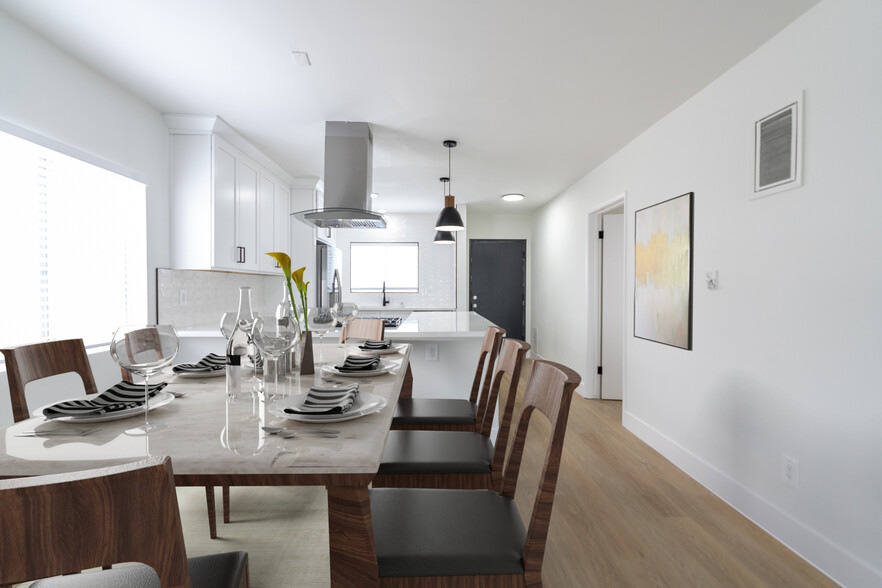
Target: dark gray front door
498	282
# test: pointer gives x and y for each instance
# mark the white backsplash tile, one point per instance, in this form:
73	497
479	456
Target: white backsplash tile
209	294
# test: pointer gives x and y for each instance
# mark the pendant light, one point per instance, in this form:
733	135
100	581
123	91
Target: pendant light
444	237
449	219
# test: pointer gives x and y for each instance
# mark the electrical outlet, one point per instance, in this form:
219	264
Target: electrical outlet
182	297
431	352
790	471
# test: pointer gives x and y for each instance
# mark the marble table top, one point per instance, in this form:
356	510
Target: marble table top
207	433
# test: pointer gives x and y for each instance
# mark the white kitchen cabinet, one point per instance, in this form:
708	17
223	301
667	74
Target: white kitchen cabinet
274	207
226	199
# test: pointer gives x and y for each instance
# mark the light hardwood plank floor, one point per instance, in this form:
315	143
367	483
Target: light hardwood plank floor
624	516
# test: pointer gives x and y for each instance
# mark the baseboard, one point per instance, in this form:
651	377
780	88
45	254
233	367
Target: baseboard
840	565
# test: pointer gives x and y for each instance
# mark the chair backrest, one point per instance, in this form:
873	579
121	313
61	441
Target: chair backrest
27	363
549	390
65	523
508	370
364	328
138	342
486	361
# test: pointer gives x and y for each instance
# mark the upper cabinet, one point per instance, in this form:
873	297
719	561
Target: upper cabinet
230	204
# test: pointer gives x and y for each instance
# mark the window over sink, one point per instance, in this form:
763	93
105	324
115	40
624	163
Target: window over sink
373	264
74	241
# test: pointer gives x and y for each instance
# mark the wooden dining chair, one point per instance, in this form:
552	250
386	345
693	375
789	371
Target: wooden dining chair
452	414
65	523
27	363
363	328
457	459
445	538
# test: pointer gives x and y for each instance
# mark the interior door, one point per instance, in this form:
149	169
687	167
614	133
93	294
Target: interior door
612	320
498	282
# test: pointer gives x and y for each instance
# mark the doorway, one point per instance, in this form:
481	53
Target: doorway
498	283
606	299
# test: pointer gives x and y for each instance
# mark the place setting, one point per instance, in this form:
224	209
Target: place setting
328	404
211	366
374	348
357	366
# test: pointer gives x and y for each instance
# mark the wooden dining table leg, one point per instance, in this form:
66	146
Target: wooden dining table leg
351	537
212	522
407	385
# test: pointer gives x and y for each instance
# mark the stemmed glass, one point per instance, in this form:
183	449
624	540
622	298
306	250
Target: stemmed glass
273	337
344	313
144	350
227	324
320	320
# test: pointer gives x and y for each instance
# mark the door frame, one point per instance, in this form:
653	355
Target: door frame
593	290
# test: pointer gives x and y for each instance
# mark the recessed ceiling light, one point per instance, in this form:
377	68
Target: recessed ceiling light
301	58
374	194
512	197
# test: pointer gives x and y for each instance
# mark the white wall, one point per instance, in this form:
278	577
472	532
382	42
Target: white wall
46	91
437	272
786	351
509	226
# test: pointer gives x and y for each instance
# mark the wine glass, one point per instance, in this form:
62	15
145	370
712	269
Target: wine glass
144	350
344	313
273	337
227	324
320	320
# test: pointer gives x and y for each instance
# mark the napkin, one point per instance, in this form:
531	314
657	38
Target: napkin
370	345
118	397
327	400
210	364
354	363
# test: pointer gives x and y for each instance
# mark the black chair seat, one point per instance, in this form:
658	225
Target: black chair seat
436	452
427	532
222	570
434	411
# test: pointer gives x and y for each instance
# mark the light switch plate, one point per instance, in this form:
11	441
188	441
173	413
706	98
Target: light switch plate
431	352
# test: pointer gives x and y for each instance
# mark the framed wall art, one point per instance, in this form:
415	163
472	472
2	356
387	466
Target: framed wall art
663	272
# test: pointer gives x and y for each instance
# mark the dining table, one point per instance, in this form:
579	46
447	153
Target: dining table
218	439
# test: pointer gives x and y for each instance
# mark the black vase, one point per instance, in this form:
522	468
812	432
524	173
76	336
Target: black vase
307	365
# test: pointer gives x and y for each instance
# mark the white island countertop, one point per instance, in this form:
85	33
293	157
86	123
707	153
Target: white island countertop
440	326
418	325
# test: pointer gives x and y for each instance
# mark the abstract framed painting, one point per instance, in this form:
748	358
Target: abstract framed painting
663	272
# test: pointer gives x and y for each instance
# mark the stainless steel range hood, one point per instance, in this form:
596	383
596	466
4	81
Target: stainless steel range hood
349	156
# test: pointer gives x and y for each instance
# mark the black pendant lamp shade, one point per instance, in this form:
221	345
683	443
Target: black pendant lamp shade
449	219
444	238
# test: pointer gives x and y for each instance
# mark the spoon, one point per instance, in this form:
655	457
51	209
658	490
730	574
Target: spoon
276	430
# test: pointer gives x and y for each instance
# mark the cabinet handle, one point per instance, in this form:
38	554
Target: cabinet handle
241	255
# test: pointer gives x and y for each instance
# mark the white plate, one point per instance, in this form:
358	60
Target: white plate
365	403
390	351
160	399
214	374
383	368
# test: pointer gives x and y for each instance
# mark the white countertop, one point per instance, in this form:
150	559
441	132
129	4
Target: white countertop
419	325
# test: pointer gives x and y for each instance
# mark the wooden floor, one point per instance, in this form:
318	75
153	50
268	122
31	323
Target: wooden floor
624	516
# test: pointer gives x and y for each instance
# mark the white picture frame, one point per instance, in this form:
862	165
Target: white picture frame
777	162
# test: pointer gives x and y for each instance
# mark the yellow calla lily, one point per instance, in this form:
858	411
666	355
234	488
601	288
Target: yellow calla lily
284	260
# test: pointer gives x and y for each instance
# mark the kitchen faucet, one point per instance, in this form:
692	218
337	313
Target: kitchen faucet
385	300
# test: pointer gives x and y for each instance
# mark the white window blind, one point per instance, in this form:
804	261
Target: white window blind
396	264
73	238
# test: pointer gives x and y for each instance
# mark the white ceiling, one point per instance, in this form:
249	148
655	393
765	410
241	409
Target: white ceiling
537	93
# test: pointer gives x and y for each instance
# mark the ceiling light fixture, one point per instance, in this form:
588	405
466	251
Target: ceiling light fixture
449	219
374	194
512	197
444	237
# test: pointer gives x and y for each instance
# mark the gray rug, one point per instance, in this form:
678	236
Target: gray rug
283	529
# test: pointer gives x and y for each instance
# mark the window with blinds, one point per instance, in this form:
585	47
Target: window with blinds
73	238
